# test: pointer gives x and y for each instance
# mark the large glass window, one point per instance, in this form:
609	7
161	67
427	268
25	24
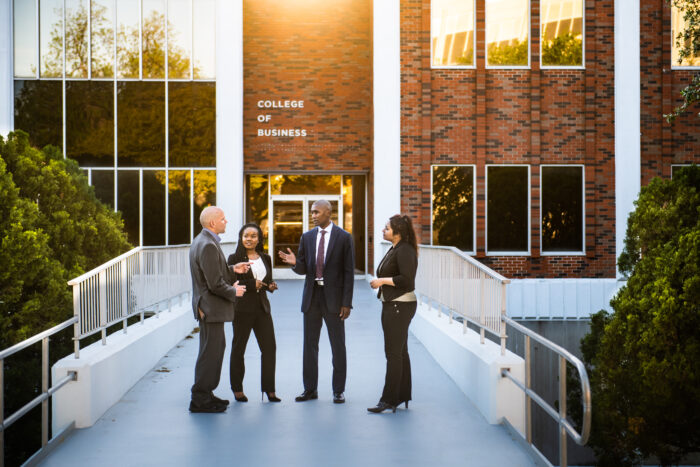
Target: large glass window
141	124
681	35
192	124
507	209
304	184
25	38
354	215
507	32
204	195
102	37
154	207
179	207
257	203
39	110
562	209
204	38
561	29
51	36
129	203
452	32
153	39
453	206
76	39
103	181
128	55
90	122
179	39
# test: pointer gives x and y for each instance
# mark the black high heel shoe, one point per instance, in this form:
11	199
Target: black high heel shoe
403	402
270	398
242	398
381	407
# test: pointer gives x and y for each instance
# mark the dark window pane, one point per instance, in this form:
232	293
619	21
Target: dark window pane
153	207
129	203
204	195
51	34
153	39
204	39
179	207
103	181
507	209
192	124
179	38
90	122
102	34
256	206
38	111
76	39
141	124
562	209
453	206
354	215
128	39
305	184
25	38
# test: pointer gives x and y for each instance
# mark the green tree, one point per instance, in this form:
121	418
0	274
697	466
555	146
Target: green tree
644	359
688	42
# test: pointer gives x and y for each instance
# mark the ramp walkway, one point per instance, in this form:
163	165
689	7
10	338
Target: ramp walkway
151	425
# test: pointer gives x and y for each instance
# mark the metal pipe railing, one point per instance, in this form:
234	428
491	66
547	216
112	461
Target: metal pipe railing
559	416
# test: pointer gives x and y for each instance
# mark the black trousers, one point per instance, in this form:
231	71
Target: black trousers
259	322
207	371
396	317
313	320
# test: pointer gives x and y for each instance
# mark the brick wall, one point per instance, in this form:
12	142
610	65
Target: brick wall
497	116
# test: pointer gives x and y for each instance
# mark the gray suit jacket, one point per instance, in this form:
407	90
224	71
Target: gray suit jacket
212	291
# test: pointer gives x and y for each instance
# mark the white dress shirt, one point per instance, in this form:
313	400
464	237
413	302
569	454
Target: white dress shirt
326	240
258	268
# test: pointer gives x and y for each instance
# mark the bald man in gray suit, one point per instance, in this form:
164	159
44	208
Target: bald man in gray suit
213	299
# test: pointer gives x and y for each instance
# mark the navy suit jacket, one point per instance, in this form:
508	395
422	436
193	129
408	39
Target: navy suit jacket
338	271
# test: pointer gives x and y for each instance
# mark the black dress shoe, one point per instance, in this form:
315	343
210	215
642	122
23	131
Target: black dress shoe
306	396
242	398
338	398
381	407
271	398
219	401
208	407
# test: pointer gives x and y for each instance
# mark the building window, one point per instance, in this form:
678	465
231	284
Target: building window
682	37
453	206
561	30
676	167
507	33
452	35
562	211
507	209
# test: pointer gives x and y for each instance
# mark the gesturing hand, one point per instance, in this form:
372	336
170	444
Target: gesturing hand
272	287
288	257
240	289
344	312
242	268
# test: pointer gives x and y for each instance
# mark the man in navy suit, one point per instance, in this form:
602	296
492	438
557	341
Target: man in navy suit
327	257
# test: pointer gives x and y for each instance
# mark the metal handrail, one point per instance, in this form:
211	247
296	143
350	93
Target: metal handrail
487	270
36	338
560	416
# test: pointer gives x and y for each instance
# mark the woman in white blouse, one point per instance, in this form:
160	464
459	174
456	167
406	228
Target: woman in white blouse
253	312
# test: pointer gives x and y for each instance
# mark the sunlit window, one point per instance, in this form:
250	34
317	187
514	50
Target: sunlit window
452	32
507	32
561	30
25	39
680	40
453	206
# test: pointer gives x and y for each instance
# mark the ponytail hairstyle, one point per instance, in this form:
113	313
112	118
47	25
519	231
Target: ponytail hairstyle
402	225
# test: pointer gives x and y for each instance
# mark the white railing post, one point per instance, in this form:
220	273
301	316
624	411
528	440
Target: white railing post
503	323
44	390
103	305
562	412
76	325
124	309
482	303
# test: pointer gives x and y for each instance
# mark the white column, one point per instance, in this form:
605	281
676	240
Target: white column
627	110
229	113
6	69
387	117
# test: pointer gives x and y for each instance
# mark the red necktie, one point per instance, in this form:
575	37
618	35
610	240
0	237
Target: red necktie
320	256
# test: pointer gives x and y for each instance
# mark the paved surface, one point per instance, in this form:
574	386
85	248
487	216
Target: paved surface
152	426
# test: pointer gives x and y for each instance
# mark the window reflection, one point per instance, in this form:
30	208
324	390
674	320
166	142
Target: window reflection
179	207
51	34
76	39
90	122
24	30
453	206
192	124
288	225
257	201
562	209
452	32
102	37
678	26
354	215
562	32
507	209
179	38
153	39
204	39
129	202
153	207
141	124
507	38
204	195
305	184
103	182
39	110
128	39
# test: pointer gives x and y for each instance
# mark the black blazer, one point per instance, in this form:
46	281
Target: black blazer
252	300
400	263
338	270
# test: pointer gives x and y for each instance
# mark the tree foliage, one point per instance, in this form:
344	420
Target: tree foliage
514	54
563	50
688	43
644	359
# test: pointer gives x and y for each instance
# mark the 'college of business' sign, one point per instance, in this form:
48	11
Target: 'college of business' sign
264	119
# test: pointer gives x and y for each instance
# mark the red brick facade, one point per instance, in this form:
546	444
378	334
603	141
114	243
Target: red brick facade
663	144
495	116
